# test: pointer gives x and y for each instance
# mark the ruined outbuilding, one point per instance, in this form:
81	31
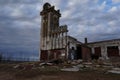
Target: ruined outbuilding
106	49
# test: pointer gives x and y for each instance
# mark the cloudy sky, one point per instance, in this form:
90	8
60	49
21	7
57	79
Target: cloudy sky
20	22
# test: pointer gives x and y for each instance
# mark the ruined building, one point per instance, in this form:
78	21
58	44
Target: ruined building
53	36
54	41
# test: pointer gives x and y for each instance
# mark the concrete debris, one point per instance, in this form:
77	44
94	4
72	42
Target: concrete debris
74	66
107	64
97	65
87	66
18	66
28	67
104	66
87	63
43	67
56	61
79	61
117	69
70	69
114	70
47	64
80	65
73	63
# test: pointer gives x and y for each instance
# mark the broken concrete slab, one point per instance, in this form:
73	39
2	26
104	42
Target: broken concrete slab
104	66
73	63
118	69
80	65
87	63
114	71
18	66
70	69
107	63
79	61
48	64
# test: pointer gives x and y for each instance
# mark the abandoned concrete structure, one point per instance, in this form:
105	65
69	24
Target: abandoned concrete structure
55	42
106	49
54	39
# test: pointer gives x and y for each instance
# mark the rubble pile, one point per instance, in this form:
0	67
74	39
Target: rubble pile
70	65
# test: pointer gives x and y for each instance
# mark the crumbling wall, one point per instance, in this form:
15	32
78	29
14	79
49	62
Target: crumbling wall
52	54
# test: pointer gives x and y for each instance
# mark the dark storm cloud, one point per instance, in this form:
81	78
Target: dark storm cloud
99	20
20	22
20	27
4	2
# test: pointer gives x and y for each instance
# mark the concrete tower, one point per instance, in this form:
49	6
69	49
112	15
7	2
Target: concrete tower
51	33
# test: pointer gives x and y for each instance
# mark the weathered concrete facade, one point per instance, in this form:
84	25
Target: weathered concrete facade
82	50
106	49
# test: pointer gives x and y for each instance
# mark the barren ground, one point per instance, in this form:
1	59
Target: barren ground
7	72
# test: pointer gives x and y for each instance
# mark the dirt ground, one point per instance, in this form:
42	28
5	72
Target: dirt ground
7	72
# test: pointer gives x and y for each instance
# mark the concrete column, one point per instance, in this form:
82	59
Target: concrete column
93	51
45	40
104	52
48	32
53	41
48	55
119	49
58	40
41	34
62	39
55	38
49	23
66	45
50	43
